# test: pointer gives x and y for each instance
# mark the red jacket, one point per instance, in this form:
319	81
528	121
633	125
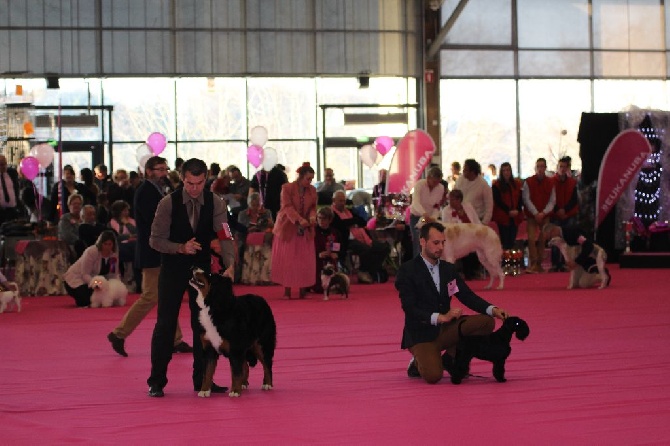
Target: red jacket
540	192
566	196
506	201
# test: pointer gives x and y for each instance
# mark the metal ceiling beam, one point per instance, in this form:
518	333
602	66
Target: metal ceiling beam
437	43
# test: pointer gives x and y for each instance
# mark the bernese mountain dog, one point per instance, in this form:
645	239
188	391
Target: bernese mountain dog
241	328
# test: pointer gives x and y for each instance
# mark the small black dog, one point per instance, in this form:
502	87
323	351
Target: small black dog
241	328
494	347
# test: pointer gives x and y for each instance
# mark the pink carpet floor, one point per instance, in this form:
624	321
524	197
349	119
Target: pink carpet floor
593	371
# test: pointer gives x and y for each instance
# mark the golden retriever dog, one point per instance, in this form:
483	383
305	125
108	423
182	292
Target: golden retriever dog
464	238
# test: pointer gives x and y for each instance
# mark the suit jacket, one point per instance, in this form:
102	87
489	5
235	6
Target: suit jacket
420	299
146	202
289	215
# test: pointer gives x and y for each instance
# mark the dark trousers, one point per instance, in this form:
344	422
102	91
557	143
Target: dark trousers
82	294
507	235
371	257
173	281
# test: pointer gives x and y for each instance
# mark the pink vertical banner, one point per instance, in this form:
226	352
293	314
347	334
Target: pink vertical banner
622	161
413	153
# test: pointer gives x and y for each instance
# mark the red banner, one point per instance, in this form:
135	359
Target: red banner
622	161
413	153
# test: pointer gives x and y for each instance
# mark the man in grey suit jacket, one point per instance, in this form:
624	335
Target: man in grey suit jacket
426	285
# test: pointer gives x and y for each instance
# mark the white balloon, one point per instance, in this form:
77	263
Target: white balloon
44	153
269	158
368	155
143	161
258	136
142	151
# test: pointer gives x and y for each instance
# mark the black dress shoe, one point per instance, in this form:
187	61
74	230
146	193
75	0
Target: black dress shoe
156	392
117	344
182	347
413	369
215	388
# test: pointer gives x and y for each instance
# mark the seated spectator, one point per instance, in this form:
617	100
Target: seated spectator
356	240
326	244
361	202
104	214
126	231
457	211
256	250
327	188
89	229
68	225
100	259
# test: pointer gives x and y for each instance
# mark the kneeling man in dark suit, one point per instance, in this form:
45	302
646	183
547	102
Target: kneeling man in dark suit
426	285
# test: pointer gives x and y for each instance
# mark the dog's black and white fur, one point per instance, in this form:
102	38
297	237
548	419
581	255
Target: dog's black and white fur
334	282
241	328
494	347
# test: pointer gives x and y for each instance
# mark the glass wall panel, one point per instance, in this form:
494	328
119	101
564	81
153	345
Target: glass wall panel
285	107
555	63
478	120
211	108
292	154
476	63
224	153
628	64
625	24
552	24
619	95
481	22
549	114
141	107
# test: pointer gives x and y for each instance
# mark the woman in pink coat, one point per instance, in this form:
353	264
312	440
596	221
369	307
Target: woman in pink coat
293	246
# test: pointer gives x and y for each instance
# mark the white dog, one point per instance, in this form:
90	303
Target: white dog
107	293
464	238
9	296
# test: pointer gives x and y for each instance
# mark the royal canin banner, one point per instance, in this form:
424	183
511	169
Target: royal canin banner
413	153
620	165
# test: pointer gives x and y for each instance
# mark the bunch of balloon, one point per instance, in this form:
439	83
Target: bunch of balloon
34	166
257	154
154	146
372	154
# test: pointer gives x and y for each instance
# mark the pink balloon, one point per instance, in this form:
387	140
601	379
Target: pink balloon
29	167
157	142
384	144
255	155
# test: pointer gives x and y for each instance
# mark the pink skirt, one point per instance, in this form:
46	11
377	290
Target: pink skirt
294	262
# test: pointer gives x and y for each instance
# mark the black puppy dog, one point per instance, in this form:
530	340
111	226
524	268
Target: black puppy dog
494	347
241	328
334	282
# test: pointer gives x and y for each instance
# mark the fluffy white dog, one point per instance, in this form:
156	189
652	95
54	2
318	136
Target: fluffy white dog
9	296
107	293
464	238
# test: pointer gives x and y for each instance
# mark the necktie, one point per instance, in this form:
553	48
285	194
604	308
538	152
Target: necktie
193	217
4	187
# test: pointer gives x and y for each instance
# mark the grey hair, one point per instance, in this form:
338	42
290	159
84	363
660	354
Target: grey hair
339	192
